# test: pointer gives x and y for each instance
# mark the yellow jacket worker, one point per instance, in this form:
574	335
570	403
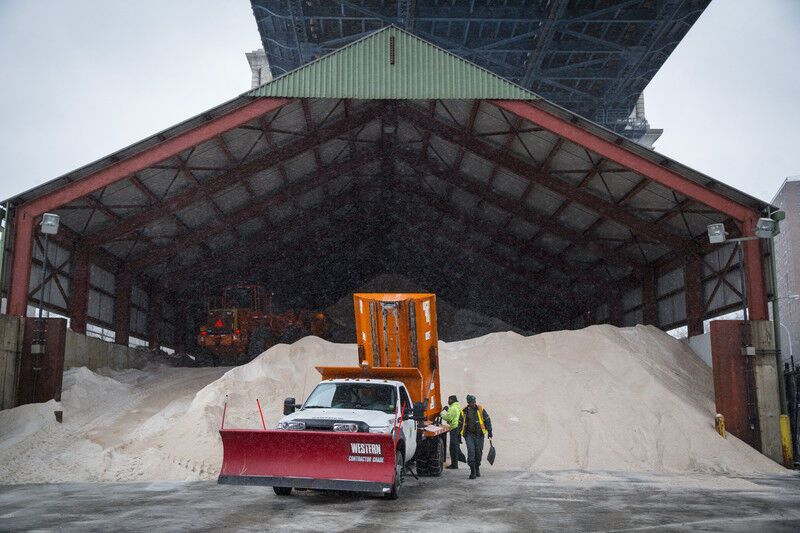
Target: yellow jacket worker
452	415
475	425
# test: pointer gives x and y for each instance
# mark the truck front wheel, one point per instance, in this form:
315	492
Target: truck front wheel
399	473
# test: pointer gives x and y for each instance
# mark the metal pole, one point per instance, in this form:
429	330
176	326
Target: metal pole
789	336
3	230
44	272
741	280
776	323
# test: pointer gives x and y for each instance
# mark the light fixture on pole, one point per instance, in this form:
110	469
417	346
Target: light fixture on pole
49	226
716	233
766	228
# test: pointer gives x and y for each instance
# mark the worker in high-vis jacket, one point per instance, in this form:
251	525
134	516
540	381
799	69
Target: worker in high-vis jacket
452	415
475	425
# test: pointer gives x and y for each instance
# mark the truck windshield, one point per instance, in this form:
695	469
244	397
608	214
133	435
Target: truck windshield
353	396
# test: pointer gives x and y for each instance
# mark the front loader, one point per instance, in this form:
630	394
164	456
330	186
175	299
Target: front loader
363	427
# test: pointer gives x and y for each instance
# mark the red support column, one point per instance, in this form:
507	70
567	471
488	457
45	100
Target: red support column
693	287
122	309
21	264
79	291
154	319
649	305
754	273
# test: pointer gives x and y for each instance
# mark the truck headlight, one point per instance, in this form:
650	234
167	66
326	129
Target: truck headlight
379	429
293	425
346	426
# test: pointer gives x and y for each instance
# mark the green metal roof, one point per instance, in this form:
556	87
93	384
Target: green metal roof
364	70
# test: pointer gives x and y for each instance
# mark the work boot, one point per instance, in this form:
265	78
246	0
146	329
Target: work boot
453	466
478	470
471	471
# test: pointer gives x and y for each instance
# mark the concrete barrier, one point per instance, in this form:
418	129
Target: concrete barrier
79	350
10	345
94	353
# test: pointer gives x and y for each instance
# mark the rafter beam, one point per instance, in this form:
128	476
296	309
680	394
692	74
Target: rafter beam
151	156
220	258
529	171
473	224
255	209
240	173
526	247
625	157
330	240
535	283
518	208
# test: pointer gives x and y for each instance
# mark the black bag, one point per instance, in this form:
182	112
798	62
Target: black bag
461	456
490	456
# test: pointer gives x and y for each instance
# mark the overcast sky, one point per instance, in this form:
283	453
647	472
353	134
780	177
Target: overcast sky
82	79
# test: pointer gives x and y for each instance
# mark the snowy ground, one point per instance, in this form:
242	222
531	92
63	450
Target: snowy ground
497	502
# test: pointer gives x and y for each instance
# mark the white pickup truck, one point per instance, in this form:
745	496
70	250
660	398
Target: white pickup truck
357	405
362	427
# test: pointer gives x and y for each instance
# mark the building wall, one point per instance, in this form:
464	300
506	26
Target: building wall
80	350
93	353
787	252
259	66
10	342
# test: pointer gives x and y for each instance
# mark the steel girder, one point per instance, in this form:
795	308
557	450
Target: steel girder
238	174
442	205
29	212
547	47
534	173
252	210
519	209
535	282
625	157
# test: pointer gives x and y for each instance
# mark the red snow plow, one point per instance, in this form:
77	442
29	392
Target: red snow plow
361	428
360	462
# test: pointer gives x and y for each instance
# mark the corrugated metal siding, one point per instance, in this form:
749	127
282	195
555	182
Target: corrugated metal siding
421	70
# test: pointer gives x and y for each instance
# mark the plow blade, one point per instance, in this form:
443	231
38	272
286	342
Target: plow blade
325	460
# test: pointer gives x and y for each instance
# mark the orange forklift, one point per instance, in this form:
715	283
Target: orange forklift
241	324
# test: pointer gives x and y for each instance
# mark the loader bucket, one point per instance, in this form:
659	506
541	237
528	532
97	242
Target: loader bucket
326	460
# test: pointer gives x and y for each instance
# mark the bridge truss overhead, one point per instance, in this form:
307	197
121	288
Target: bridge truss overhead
593	57
389	156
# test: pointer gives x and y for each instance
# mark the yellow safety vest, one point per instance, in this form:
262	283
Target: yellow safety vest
480	419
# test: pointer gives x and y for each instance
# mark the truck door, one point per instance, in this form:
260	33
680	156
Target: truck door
410	425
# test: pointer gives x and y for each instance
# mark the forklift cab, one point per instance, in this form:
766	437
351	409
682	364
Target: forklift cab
245	296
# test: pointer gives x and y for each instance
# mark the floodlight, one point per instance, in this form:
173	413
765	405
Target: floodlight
50	223
764	228
777	216
716	233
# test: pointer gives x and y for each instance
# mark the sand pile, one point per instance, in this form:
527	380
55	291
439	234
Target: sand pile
602	398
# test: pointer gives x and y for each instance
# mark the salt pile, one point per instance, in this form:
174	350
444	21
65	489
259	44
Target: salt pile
601	398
